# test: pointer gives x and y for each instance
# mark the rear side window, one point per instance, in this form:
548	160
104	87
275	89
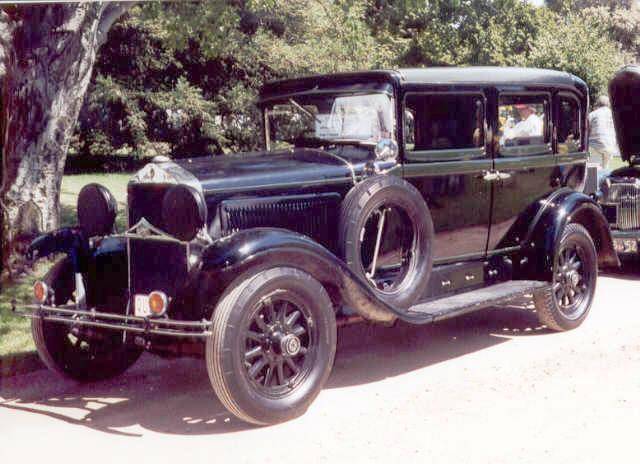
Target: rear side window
523	123
568	126
443	122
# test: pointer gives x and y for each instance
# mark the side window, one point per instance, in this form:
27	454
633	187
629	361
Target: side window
568	127
443	123
523	123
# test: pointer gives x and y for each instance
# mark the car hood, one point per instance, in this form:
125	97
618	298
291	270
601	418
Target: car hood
249	172
624	90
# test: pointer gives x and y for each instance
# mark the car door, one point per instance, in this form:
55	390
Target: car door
445	158
523	159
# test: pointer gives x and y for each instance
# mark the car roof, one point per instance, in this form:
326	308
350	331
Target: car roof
469	75
486	74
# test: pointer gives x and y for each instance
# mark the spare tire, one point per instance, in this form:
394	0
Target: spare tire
385	237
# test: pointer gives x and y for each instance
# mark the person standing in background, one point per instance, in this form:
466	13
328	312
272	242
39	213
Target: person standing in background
602	135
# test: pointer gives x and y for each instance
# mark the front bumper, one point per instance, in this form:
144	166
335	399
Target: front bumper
72	316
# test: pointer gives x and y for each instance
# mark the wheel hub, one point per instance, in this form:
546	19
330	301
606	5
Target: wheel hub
290	345
276	344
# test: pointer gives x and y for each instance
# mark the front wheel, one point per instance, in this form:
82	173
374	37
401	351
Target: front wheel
272	345
566	304
83	355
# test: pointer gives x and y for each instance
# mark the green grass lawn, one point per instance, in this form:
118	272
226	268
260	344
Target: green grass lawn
15	333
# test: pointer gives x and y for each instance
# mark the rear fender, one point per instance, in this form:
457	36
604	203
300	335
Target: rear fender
255	249
542	240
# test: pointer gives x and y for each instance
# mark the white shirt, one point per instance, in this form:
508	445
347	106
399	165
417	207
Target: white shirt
531	127
602	133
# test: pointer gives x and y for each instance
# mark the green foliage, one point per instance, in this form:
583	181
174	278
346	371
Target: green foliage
577	43
181	78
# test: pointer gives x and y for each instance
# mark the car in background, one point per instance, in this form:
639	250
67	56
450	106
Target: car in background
618	191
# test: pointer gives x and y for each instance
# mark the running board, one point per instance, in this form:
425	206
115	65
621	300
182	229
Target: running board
463	303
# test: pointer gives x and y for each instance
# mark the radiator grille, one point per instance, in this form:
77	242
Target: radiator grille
626	196
157	265
306	214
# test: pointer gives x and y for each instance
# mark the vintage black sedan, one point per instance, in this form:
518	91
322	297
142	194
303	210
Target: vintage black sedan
415	195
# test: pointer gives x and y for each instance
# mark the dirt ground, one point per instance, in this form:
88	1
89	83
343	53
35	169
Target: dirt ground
491	387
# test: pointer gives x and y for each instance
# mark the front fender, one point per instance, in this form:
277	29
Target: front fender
261	248
69	240
542	240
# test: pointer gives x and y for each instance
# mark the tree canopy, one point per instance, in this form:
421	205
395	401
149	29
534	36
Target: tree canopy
180	78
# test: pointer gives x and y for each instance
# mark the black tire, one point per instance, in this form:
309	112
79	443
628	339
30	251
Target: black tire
566	304
81	360
238	345
357	210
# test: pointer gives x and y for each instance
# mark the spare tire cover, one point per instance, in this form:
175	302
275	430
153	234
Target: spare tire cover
385	237
97	209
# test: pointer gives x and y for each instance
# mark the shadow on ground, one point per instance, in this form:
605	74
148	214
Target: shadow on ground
174	396
630	270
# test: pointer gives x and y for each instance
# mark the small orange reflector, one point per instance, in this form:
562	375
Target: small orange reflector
40	291
157	303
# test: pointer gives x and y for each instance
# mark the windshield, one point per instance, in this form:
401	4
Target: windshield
324	120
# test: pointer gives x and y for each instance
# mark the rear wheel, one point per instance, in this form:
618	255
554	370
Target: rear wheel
567	303
82	354
272	345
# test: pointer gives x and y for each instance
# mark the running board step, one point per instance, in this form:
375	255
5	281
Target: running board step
456	305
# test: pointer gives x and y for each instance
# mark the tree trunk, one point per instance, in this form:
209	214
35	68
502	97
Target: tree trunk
48	63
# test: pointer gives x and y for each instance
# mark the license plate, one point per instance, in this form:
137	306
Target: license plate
624	245
141	306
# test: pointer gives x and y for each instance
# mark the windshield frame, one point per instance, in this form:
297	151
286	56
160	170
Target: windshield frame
266	103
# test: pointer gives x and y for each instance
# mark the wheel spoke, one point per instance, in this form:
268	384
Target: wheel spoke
257	367
293	317
292	366
260	322
280	372
298	330
561	257
282	312
255	336
270	310
252	353
268	376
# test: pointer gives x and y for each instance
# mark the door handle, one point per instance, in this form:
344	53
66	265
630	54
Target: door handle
492	176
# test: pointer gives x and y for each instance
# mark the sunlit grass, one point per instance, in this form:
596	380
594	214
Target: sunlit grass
15	333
